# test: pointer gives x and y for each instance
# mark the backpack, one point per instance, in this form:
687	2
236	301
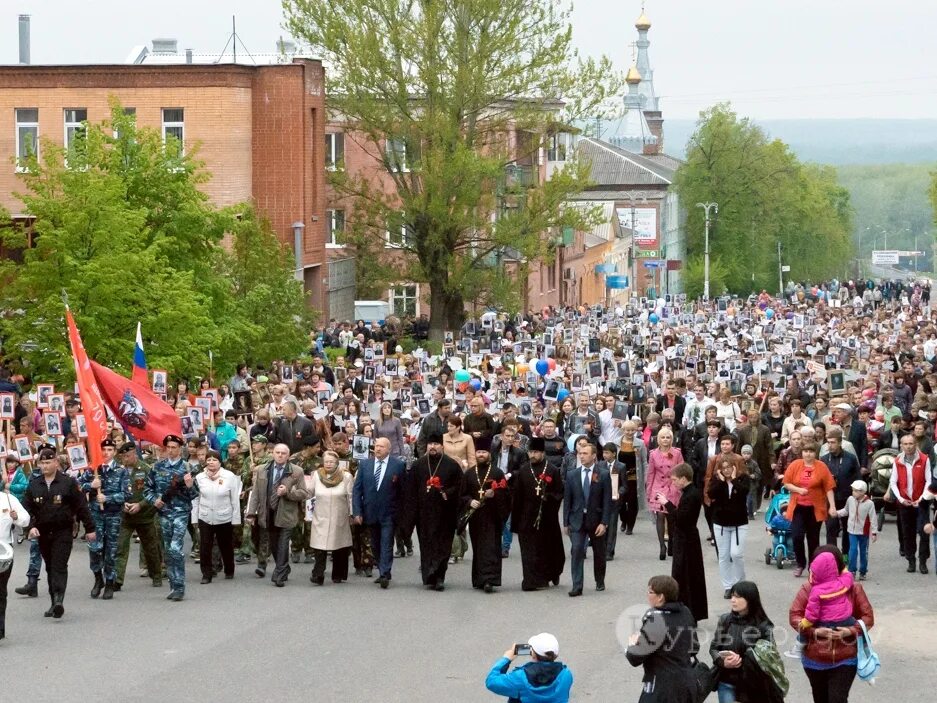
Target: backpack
868	662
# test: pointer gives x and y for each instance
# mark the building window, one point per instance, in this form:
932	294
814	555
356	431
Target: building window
558	146
551	276
404	300
27	134
398	231
75	127
400	158
335	151
174	127
335	221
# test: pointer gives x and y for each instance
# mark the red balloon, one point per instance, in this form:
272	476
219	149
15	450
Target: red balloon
552	364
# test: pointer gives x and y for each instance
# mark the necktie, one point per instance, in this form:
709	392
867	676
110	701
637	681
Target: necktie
585	487
378	473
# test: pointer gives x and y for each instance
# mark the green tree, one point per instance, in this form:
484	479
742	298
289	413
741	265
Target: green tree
446	83
765	196
124	252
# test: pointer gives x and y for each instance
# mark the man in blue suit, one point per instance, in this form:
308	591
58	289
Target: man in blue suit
587	512
376	500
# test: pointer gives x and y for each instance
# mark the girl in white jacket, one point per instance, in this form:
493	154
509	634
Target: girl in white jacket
12	515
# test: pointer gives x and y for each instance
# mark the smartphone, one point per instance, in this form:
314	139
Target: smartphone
521	650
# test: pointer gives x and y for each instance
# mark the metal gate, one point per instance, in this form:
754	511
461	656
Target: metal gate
342	289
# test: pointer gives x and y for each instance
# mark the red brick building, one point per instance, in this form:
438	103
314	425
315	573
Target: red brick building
259	129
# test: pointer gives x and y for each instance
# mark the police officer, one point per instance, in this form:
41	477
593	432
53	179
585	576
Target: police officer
139	519
170	488
53	501
308	458
107	490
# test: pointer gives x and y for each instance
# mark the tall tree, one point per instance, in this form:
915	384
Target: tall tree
122	228
432	90
765	196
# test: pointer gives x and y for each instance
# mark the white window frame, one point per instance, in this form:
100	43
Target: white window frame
404	237
331	222
73	126
334	162
396	149
174	124
392	297
24	124
559	142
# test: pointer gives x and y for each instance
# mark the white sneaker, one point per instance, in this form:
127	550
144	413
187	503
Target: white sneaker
796	651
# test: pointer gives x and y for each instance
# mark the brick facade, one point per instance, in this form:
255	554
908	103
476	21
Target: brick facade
260	131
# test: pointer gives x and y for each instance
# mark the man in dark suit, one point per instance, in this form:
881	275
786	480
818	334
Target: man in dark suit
292	429
505	455
671	400
587	512
376	501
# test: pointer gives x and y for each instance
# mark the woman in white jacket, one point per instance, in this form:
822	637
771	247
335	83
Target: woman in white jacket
218	510
12	515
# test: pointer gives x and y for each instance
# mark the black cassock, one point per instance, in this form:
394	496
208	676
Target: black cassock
486	524
433	515
543	555
687	565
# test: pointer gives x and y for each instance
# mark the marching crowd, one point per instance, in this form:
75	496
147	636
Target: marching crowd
568	422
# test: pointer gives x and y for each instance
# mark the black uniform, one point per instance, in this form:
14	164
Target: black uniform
52	510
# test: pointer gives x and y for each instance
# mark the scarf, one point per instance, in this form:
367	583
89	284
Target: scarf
331	479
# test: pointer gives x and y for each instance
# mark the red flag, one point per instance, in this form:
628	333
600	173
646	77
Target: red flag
146	415
92	404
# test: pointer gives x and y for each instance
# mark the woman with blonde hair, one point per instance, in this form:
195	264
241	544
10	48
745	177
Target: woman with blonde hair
331	487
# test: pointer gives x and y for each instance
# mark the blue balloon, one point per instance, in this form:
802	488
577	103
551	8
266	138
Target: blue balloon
562	395
769	313
475	384
653	318
543	368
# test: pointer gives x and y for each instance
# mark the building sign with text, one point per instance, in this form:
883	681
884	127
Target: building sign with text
645	224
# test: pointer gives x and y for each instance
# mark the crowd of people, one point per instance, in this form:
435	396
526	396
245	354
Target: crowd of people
572	421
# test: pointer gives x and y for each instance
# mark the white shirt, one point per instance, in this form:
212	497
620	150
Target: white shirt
218	502
8	504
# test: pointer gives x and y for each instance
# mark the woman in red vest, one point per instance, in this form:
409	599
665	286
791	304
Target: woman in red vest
910	479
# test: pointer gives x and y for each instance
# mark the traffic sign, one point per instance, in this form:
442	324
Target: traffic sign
885	257
647	254
654	264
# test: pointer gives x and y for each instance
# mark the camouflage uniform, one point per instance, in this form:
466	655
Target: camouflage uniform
165	482
195	469
115	486
249	535
143	523
361	554
302	533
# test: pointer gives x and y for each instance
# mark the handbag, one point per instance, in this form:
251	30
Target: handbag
705	677
868	663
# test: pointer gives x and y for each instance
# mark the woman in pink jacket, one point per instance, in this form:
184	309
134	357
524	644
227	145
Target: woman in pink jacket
660	463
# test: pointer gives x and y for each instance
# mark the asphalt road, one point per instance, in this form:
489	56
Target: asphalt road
246	640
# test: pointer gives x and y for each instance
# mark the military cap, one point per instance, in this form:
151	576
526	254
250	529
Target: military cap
172	438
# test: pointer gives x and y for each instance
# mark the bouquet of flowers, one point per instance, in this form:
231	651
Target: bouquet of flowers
434	482
467	515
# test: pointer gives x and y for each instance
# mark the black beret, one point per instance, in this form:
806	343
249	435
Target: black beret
108	443
126	447
45	454
310	440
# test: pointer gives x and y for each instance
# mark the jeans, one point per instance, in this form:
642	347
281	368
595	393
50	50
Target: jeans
507	537
730	542
726	693
831	685
35	560
859	547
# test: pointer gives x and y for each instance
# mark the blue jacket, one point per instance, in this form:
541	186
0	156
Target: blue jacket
165	482
536	682
378	506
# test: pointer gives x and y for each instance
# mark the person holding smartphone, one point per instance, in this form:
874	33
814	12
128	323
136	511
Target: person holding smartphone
544	679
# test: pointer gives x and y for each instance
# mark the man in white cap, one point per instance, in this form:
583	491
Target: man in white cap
544	679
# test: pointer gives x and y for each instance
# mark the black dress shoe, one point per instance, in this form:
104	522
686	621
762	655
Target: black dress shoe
58	610
384	582
317	581
923	567
556	581
400	554
600	587
228	577
440	586
489	588
48	613
629	531
117	587
912	566
409	551
206	579
663	554
280	583
260	573
575	592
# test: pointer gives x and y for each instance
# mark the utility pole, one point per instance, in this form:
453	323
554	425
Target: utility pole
780	273
707	207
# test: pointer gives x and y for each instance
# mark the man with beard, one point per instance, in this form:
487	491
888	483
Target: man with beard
537	494
486	502
433	507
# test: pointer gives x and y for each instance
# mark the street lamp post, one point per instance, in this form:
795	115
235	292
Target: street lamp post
707	207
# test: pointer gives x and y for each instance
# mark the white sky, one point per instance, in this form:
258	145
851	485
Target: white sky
772	58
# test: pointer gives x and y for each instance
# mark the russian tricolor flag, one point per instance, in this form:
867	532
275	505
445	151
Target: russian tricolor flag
139	374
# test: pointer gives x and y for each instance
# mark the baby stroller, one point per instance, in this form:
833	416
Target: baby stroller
782	544
881	465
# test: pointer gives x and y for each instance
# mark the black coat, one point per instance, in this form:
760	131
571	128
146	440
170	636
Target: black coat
679	407
666	642
737	633
687	565
293	432
730	510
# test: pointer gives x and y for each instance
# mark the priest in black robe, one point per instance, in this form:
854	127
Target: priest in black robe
537	492
435	487
687	567
486	504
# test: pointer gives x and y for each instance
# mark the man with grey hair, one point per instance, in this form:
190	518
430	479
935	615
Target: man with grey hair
292	429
